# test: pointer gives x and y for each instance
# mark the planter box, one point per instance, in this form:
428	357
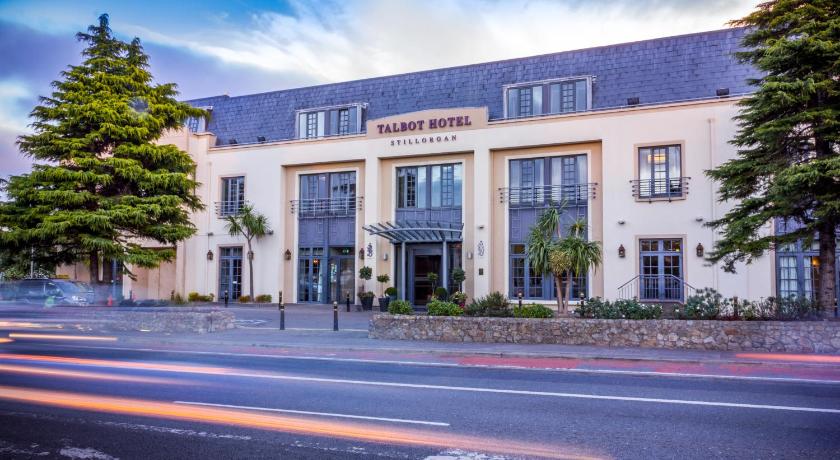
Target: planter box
768	336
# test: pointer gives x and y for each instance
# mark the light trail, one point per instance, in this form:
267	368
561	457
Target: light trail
85	375
5	340
93	338
288	424
26	325
827	359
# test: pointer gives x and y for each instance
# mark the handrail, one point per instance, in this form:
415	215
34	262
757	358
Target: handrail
542	195
651	189
633	288
226	208
326	207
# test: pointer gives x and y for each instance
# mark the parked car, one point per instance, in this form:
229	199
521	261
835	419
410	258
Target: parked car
50	291
87	291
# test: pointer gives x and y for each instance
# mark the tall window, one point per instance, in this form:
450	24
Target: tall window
437	186
230	272
330	122
660	172
547	98
536	181
233	196
333	192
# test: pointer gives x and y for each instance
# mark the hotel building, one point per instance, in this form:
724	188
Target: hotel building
435	170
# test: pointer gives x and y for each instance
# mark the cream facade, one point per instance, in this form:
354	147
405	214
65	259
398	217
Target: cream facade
617	217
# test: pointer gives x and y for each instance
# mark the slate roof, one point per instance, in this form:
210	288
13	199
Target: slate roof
656	71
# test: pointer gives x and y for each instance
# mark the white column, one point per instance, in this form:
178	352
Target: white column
371	214
444	271
482	178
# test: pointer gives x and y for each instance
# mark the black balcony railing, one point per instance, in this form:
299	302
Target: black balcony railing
229	208
654	189
536	197
659	288
327	207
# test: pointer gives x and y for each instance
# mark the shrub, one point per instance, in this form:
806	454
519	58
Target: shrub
196	297
178	299
365	273
391	292
441	293
620	309
706	303
383	278
458	297
493	304
264	298
458	276
441	308
532	311
244	299
400	307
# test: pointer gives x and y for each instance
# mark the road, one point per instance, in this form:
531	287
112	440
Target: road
94	399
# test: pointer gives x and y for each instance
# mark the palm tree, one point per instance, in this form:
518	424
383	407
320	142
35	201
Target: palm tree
542	240
251	225
580	254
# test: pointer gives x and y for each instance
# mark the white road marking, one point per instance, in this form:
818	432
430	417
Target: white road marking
483	366
324	414
226	373
277	328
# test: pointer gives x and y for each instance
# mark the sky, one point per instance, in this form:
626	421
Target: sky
236	47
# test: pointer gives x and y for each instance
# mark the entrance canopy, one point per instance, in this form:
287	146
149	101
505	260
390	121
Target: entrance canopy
413	231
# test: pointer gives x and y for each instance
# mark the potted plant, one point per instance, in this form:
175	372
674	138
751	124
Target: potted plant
458	276
433	278
459	298
366	297
391	293
383	301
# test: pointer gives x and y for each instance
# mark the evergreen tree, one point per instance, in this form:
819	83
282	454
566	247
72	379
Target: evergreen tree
101	186
788	163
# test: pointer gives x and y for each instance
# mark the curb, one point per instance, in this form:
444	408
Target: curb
503	354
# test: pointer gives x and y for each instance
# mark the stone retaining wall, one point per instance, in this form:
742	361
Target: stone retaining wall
775	336
153	319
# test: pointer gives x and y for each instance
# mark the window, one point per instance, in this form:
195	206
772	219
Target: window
230	273
328	192
525	280
660	172
423	187
233	196
548	97
330	122
538	181
196	124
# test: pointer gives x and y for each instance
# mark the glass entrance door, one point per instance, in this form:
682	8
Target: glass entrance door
423	264
661	270
230	273
341	275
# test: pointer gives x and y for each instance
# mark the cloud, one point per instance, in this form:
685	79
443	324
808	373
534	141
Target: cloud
14	100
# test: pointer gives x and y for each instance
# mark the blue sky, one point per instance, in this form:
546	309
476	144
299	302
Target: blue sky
236	47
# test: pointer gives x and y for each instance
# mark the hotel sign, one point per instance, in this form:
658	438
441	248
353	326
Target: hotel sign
428	126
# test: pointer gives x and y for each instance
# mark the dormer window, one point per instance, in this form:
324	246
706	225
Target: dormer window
548	97
197	124
330	121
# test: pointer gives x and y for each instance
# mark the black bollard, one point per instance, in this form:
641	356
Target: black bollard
226	299
335	315
347	301
519	295
282	307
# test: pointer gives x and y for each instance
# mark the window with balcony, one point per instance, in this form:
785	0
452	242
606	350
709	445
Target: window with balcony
538	182
233	196
338	121
434	187
660	173
549	97
327	194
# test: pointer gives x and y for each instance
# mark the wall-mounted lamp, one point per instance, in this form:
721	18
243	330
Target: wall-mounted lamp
469	255
481	227
700	249
209	233
362	254
270	232
287	255
209	255
621	222
250	255
621	252
698	219
385	256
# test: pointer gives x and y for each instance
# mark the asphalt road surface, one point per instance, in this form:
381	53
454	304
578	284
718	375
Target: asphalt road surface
86	399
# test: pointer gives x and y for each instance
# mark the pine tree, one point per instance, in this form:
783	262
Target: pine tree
101	186
788	163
